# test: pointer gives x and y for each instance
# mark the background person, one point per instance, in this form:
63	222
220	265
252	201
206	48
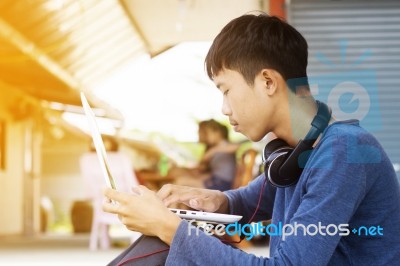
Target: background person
217	167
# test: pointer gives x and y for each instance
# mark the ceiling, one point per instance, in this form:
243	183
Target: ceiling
165	23
53	49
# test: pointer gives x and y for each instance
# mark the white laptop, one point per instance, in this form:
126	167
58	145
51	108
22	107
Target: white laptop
102	156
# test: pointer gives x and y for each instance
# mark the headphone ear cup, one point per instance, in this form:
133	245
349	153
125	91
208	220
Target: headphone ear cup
274	155
273	170
272	146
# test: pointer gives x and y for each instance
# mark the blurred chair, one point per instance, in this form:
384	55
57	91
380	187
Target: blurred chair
245	168
125	178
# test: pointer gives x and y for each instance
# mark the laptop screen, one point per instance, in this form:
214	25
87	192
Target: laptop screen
98	142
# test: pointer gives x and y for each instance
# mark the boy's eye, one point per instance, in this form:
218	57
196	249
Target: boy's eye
226	92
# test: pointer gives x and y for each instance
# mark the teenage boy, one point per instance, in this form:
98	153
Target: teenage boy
252	61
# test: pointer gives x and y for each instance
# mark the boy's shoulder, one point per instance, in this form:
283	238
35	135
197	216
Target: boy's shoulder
351	141
347	126
349	129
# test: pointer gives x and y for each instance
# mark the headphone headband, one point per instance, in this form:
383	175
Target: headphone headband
319	123
284	169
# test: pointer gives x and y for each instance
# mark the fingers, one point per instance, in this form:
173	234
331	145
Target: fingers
115	195
170	194
111	207
199	199
184	197
140	190
165	191
175	198
204	204
115	200
195	198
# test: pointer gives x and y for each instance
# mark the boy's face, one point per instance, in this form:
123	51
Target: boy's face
249	108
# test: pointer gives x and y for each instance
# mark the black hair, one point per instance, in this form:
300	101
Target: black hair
251	43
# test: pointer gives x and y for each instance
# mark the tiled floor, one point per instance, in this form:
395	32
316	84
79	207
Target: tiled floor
63	250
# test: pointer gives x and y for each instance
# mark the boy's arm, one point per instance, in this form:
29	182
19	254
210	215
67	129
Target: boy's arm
334	190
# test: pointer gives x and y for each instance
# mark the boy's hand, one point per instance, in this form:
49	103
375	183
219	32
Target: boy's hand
143	212
196	198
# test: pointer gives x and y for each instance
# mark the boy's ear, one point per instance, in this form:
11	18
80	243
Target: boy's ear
271	80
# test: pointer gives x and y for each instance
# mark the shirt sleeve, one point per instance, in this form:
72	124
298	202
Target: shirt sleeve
244	201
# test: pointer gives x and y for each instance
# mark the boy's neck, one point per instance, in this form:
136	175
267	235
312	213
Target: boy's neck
301	111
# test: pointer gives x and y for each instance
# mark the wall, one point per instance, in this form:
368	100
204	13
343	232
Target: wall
18	217
11	180
61	179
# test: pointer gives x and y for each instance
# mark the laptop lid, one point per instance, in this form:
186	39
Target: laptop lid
101	154
98	142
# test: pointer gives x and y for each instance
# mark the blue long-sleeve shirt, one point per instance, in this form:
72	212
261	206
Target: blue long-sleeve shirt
348	179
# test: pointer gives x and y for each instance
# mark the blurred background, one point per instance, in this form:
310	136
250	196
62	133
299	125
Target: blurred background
141	65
